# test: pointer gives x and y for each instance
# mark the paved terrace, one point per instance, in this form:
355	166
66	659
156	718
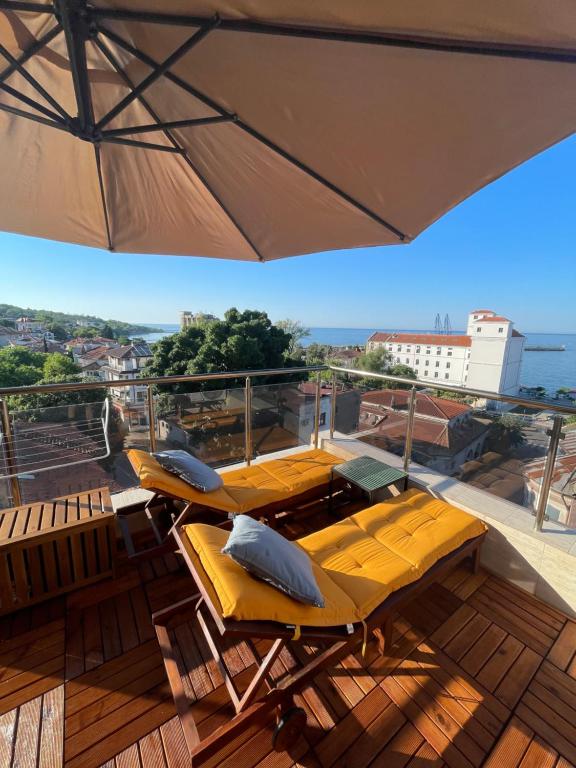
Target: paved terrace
480	674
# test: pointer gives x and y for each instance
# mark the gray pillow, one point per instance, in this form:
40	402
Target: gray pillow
191	470
269	556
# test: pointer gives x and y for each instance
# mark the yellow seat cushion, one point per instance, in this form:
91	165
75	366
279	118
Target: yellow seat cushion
243	597
245	489
358	562
303	471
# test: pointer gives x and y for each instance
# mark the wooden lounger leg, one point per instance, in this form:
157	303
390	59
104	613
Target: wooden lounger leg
476	559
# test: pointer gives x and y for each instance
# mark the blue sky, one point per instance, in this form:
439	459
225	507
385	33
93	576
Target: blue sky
511	247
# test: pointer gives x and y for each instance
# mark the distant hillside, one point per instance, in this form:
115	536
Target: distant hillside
71	322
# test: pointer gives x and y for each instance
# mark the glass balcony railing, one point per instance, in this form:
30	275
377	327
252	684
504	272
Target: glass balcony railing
515	449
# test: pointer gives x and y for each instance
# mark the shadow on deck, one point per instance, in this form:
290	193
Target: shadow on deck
480	674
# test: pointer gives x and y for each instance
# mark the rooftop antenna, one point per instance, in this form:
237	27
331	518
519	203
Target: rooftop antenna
447	325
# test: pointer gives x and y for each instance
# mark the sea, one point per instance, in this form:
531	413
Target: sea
551	370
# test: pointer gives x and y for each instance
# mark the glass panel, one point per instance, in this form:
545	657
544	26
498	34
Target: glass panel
495	451
376	414
63	449
283	415
207	424
561	505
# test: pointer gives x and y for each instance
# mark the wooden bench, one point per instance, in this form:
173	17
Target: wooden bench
52	547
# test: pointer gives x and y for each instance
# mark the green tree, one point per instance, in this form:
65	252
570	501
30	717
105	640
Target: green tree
107	331
31	402
19	367
241	341
60	333
123	340
403	372
58	366
297	332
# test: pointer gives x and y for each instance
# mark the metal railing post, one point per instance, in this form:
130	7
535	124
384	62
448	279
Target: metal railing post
151	418
248	421
317	402
409	429
555	437
333	406
10	454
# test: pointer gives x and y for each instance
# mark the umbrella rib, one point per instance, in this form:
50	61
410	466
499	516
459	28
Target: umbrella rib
155	127
158	71
16	5
390	39
141	144
31	103
209	102
117	68
32	51
31	116
33	82
102	194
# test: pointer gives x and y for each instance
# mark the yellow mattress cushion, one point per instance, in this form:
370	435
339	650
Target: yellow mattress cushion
244	489
302	471
358	562
243	597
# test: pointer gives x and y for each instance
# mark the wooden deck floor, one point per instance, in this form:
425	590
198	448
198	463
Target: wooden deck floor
481	674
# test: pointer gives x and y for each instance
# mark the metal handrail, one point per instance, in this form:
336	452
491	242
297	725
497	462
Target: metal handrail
480	394
414	385
160	380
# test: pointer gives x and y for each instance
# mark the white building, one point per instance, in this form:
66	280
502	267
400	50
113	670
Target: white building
488	357
126	362
26	325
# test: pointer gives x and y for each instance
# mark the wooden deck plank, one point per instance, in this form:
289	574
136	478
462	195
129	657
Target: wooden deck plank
51	752
425	704
511	746
564	649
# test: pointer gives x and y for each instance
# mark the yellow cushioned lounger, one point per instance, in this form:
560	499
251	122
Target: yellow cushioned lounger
246	489
366	567
357	562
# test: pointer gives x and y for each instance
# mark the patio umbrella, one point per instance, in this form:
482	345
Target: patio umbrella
256	130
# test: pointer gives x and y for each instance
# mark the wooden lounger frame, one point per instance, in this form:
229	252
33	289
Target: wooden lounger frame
267	512
254	707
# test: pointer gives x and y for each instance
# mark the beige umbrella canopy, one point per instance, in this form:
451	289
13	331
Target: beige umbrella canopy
256	130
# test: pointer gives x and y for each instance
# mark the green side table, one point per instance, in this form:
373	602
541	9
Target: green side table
368	474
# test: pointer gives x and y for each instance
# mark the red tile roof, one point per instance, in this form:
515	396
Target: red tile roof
517	333
494	319
475	311
426	405
438	339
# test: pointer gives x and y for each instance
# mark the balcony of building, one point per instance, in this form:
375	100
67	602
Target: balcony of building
482	670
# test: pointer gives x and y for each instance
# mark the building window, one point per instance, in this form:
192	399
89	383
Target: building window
447	365
449	353
466	366
438	350
425	373
322	420
427	362
427	350
399	348
407	360
500	330
417	362
475	317
437	363
417	349
435	374
478	329
446	376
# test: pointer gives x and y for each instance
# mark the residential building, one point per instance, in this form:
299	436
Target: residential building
27	325
126	362
93	361
188	319
79	346
488	357
446	433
